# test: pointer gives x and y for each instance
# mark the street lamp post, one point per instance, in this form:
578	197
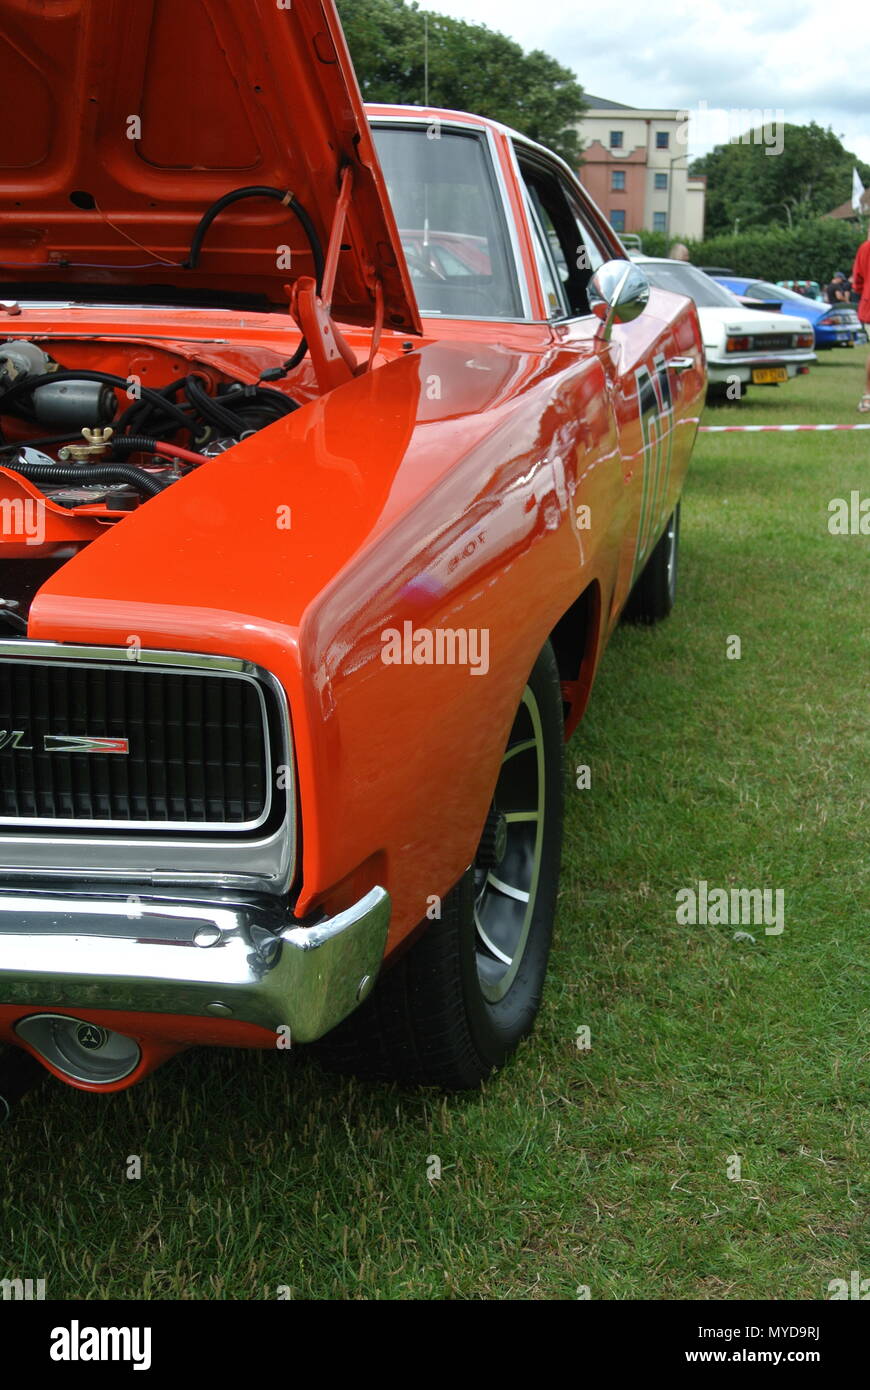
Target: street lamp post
675	160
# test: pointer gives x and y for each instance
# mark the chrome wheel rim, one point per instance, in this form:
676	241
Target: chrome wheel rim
505	891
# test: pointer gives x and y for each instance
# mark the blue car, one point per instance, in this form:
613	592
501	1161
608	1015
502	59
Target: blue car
835	325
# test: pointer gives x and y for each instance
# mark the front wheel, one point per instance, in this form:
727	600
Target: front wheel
457	1004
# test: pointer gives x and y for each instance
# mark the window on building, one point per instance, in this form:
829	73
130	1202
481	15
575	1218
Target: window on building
663	140
616	139
617	181
660	221
661	180
617	219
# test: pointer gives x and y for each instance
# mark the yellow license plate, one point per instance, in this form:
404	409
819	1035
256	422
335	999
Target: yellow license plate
763	375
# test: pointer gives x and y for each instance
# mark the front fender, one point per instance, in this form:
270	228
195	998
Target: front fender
420	493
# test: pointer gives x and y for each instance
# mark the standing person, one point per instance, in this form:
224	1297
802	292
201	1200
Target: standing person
861	282
839	291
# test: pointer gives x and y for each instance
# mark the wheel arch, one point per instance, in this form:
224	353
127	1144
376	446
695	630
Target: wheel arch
575	640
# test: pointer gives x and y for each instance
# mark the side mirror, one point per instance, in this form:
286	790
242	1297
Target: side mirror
618	292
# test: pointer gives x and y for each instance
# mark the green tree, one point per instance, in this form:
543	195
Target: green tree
811	250
749	184
471	68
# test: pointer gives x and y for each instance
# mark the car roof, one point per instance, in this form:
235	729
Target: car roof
447	115
425	115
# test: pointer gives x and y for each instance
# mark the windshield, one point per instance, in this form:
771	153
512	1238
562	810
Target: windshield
451	221
686	279
761	290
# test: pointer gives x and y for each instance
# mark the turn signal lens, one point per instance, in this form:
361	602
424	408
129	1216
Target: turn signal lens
737	345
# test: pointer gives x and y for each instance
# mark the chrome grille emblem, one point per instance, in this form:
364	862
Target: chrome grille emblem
91	1037
71	743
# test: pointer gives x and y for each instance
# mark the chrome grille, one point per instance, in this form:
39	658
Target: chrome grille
133	746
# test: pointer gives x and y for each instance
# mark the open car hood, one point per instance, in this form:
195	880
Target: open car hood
125	122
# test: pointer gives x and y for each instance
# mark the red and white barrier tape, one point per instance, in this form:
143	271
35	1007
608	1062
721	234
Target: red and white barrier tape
788	429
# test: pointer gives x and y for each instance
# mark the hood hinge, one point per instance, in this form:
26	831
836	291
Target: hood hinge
332	357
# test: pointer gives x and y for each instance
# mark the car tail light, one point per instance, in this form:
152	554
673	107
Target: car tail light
737	345
805	340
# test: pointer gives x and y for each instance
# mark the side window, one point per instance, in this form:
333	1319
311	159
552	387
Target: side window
554	295
595	252
571	254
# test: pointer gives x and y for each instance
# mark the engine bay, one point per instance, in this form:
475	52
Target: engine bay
90	431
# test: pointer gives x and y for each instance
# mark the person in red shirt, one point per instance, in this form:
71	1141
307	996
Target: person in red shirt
861	283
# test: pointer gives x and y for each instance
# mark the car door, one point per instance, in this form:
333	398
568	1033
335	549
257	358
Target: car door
621	393
580	420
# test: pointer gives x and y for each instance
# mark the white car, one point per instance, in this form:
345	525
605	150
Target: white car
747	345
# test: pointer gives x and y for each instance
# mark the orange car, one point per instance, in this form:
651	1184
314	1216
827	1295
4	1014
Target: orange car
306	562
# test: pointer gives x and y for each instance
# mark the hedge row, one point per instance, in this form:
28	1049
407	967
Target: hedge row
811	251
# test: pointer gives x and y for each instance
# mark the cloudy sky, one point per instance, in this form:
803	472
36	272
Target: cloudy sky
808	58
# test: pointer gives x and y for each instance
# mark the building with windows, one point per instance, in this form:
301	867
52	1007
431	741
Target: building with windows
635	166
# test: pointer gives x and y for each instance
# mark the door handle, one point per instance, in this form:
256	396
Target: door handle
680	364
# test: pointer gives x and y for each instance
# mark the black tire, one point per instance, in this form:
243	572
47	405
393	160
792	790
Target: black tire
450	1011
655	588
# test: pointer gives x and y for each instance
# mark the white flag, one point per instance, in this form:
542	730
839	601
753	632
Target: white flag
857	191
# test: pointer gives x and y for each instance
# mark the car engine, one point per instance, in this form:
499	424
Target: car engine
88	446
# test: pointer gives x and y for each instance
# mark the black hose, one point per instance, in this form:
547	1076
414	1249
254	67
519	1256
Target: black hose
290	201
276	373
131	416
259	190
30	383
147	444
209	407
88	473
145	423
264	395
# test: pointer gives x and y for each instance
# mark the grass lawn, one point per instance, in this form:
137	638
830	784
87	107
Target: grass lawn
609	1167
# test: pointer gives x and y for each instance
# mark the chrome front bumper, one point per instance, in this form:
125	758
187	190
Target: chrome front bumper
209	959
